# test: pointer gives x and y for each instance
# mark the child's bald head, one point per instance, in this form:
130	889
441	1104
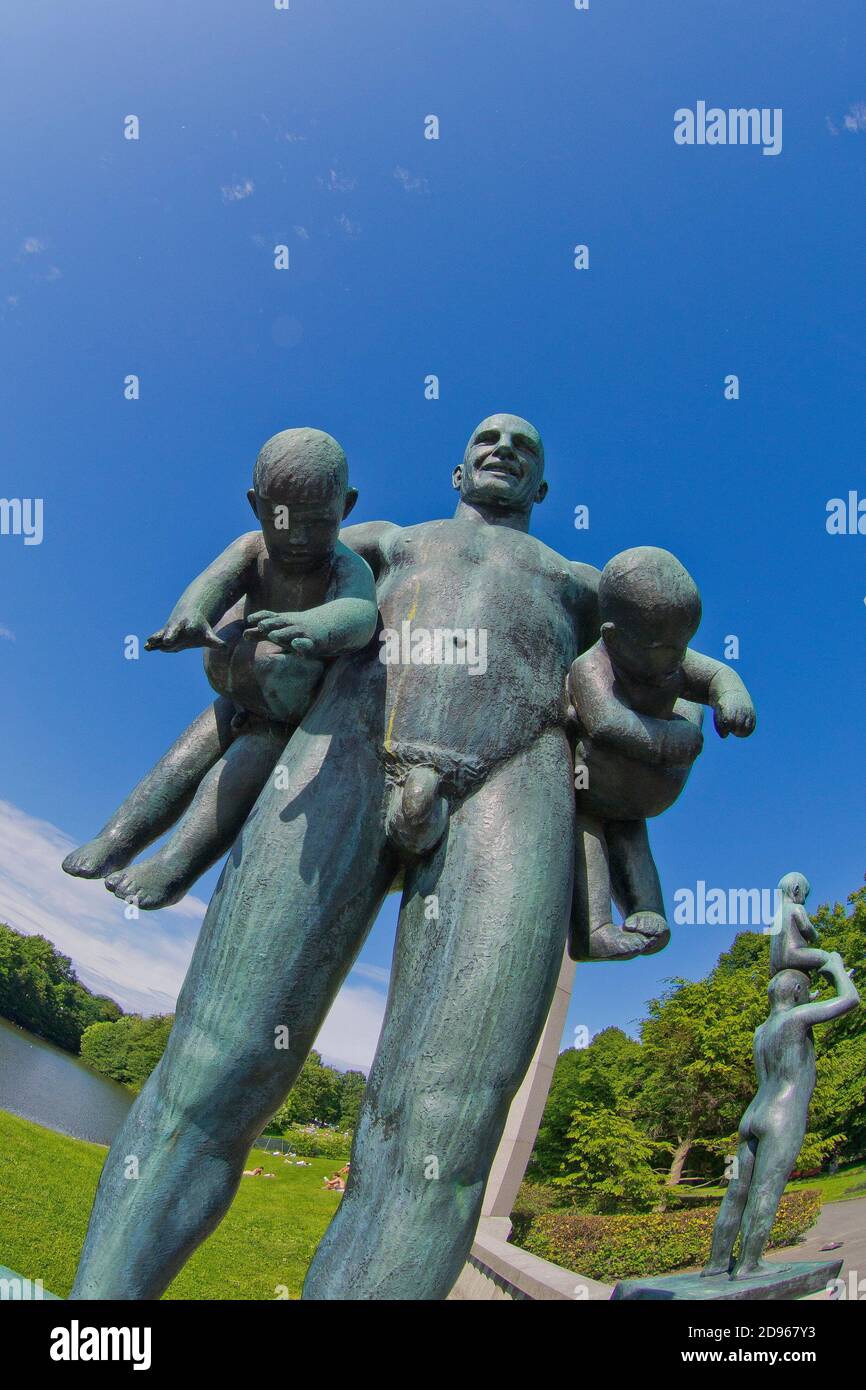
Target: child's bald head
795	887
300	460
650	609
647	586
301	496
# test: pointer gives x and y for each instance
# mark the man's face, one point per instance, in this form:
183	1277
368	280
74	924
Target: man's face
503	465
300	525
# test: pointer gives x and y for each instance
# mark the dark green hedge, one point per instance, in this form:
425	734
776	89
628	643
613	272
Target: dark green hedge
624	1247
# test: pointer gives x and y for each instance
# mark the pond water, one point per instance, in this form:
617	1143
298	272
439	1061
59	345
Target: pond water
43	1083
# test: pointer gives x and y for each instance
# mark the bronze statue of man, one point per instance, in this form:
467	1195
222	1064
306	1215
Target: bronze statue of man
457	777
774	1125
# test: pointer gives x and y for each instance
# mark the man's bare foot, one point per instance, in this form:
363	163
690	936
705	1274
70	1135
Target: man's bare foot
152	884
712	1271
100	856
650	925
756	1269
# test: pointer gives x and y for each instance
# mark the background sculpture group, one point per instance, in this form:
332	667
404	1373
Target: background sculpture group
773	1127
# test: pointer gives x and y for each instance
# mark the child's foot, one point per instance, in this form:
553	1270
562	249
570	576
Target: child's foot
152	884
652	926
615	943
100	856
710	1271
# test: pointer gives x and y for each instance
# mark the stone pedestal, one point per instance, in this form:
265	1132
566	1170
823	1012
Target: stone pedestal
783	1281
527	1108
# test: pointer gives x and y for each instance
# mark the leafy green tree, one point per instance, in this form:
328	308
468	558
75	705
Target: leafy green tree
601	1074
609	1162
40	991
316	1095
128	1050
105	1048
695	1070
352	1084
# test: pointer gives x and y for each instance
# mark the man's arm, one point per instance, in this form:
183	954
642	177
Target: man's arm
846	997
587	621
609	723
343	624
717	685
805	925
209	596
369	539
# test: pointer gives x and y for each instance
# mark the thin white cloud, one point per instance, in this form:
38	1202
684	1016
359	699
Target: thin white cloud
336	182
350	228
7	633
139	963
409	182
351	1031
855	117
32	246
372	972
302	233
236	192
142	963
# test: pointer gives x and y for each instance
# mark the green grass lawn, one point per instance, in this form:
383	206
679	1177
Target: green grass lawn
268	1238
837	1187
834	1187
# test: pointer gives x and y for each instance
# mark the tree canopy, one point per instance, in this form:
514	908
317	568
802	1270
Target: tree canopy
40	991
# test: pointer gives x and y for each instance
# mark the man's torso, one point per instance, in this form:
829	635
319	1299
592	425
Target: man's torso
520	613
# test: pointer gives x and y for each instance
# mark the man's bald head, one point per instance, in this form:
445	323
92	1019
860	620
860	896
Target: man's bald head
788	989
521	430
503	468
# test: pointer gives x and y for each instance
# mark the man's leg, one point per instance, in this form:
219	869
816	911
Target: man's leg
777	1154
225	797
479	947
292	907
727	1225
159	798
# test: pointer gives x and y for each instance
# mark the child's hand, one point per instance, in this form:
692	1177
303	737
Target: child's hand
188	630
288	630
734	713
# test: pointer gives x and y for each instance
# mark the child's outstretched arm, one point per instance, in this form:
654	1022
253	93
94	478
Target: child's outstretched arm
674	742
343	624
207	598
713	683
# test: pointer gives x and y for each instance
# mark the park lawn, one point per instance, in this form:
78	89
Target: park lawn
837	1187
264	1245
834	1187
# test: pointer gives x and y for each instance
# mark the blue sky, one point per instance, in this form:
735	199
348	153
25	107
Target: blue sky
411	257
